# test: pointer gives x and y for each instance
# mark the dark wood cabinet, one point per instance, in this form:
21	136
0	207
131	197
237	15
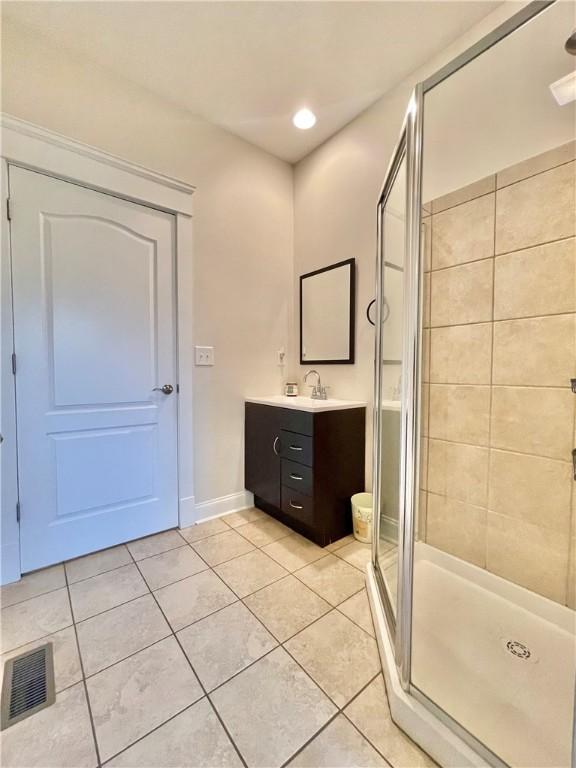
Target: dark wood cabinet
303	467
262	461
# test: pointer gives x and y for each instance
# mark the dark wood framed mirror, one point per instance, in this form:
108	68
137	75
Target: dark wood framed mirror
328	314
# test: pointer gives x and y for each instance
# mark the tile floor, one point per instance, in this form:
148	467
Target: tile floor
235	642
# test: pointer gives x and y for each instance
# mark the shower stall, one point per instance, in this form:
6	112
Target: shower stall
473	576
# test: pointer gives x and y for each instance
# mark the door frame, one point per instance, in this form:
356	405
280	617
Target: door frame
32	147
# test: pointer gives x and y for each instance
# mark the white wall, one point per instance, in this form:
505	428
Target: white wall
336	190
242	230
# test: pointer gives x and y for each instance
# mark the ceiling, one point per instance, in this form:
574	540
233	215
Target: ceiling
248	66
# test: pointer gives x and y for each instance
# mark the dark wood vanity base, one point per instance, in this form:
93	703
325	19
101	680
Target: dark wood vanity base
303	467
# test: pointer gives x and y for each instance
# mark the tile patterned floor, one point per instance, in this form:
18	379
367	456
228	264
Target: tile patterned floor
235	642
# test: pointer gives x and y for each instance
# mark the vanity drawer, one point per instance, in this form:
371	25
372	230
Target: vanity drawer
296	447
297	476
298	506
297	421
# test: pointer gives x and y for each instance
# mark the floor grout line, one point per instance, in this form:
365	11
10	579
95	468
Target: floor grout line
148	557
27	599
171	632
86	694
200	683
134	653
315	735
153	730
118	605
176	581
280	644
353	724
339	711
208	568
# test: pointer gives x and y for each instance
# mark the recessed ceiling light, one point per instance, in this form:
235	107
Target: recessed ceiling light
304	119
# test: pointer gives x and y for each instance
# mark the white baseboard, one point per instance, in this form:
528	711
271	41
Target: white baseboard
207	510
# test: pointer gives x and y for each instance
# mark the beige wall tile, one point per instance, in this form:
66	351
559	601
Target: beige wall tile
530	488
534	557
457	528
421	516
424	462
426	244
462	294
461	354
462	195
426	355
464	233
533	420
426	300
459	413
536	281
539	351
571	596
459	471
425	409
536	210
543	162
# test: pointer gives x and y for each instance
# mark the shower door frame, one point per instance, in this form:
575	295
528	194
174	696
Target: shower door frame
398	624
400	154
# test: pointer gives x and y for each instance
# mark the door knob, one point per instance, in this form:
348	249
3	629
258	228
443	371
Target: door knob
166	388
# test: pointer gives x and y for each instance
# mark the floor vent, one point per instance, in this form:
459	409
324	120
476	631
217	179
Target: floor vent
28	685
518	649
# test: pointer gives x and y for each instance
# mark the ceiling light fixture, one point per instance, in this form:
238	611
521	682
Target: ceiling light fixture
564	90
304	119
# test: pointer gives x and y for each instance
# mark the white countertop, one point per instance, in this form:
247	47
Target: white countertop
390	405
307	403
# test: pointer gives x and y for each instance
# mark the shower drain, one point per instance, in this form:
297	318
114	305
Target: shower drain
517	649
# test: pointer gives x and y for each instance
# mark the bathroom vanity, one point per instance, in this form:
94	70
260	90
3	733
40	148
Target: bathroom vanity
304	459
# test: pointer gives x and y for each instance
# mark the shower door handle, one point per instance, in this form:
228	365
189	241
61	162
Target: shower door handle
574	462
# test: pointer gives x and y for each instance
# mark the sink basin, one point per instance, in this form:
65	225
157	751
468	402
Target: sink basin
307	403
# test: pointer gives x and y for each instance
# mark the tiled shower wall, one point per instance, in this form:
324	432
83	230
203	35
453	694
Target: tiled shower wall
499	351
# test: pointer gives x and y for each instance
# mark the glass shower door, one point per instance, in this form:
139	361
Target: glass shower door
389	356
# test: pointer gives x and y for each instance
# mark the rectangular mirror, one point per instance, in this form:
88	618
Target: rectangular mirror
327	313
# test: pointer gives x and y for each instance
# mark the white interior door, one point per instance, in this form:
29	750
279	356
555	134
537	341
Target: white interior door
93	281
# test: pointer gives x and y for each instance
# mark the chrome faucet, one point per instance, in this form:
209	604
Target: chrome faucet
318	391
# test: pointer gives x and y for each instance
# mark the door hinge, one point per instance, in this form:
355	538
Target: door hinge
8	209
14	363
17	511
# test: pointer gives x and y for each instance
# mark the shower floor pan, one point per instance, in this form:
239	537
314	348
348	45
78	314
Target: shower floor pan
497	658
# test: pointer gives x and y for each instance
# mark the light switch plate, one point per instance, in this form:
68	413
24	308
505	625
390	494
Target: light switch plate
204	355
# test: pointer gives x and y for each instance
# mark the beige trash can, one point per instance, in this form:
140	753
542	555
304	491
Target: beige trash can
362	516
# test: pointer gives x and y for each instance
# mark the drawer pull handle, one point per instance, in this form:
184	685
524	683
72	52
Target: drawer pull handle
275	446
296	477
295	447
296	506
